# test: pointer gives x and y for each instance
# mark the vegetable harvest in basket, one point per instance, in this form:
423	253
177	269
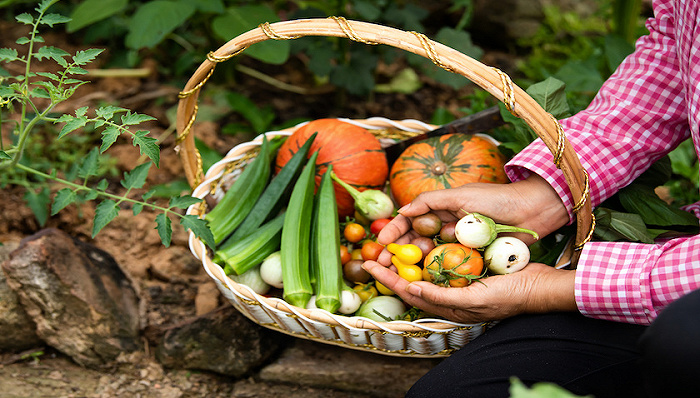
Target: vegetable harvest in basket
304	233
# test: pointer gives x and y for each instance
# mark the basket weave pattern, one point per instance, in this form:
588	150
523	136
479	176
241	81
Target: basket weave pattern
421	338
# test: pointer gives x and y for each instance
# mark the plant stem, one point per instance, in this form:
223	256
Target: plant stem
78	187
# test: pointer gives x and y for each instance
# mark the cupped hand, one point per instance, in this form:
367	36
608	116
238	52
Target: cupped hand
531	203
537	288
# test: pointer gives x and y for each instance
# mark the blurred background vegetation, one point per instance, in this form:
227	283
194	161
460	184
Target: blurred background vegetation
580	43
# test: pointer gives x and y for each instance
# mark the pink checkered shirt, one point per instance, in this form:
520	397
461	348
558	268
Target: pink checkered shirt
649	105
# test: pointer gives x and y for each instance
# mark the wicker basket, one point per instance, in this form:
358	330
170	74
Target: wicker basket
421	338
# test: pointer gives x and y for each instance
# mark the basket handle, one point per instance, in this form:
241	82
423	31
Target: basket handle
494	81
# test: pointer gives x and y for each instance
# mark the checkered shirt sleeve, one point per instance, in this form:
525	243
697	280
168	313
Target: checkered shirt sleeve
639	115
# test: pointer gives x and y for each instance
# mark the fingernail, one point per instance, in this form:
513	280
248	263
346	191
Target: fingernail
414	289
404	208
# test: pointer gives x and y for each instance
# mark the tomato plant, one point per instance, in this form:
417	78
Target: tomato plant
453	264
371	250
354	232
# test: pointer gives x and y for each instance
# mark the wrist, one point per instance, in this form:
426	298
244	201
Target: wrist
553	290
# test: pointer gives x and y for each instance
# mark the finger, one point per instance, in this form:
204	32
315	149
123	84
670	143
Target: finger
441	199
398	227
398	285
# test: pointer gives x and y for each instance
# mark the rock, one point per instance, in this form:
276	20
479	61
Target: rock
207	298
17	330
324	366
222	341
79	298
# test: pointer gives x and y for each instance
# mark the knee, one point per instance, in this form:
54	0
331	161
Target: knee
670	347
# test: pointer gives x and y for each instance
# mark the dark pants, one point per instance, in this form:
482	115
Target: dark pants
582	355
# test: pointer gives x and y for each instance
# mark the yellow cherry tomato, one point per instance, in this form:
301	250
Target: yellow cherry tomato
383	289
365	291
410	272
356	254
407	254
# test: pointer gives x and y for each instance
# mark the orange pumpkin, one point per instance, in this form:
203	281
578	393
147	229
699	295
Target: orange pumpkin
356	155
448	161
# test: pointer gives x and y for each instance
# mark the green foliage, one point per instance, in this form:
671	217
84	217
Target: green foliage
539	390
75	176
580	51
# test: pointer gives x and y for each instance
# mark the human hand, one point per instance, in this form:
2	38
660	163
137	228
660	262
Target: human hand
537	288
531	203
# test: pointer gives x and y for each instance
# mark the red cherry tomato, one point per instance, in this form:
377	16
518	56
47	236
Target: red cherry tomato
378	224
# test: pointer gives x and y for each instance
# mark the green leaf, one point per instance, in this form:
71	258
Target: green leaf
107	112
25	19
406	81
109	137
71	125
183	202
539	390
5	156
63	198
614	226
90	164
580	76
642	200
49	75
148	146
51	52
131	119
616	49
199	228
76	70
137	208
23	40
367	10
137	177
260	118
551	95
38	202
53	19
168	190
8	55
102	185
81	111
357	77
214	6
105	212
240	19
154	20
165	230
91	11
83	57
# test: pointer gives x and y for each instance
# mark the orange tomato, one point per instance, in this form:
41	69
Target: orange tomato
453	264
344	254
354	232
371	250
